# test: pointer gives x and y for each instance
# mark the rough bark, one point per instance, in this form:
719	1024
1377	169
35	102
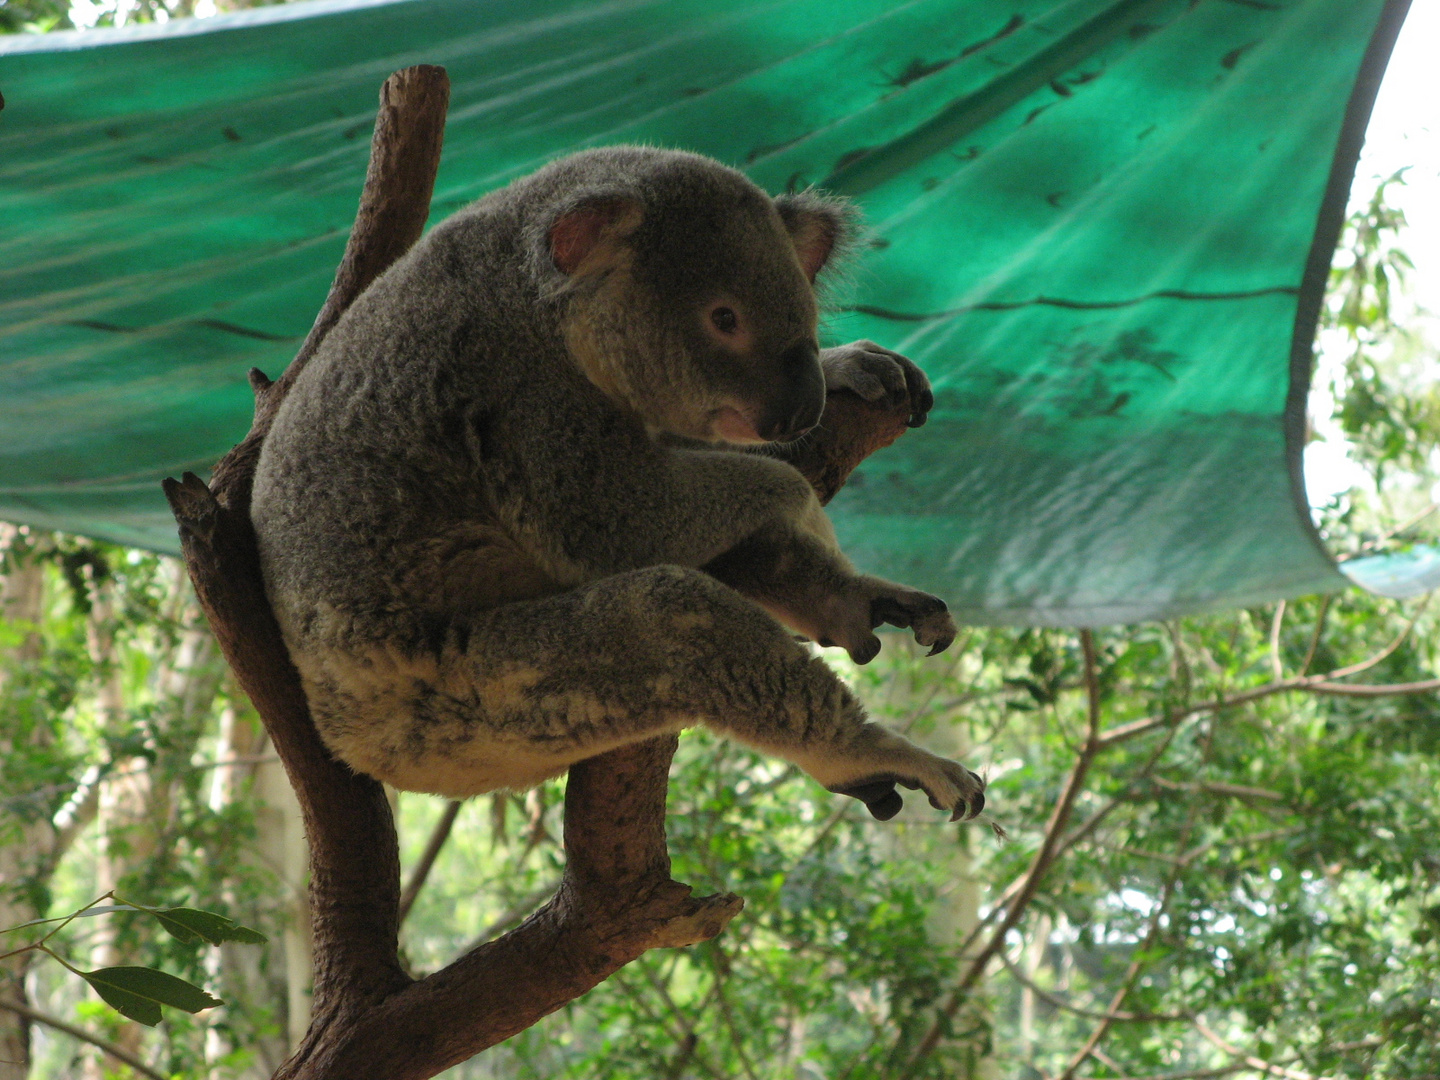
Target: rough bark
616	899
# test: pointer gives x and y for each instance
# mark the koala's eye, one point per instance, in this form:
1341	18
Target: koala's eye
725	320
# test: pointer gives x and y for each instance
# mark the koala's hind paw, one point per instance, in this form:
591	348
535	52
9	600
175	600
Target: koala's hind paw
957	790
924	614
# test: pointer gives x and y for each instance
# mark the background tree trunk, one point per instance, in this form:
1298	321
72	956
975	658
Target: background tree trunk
26	839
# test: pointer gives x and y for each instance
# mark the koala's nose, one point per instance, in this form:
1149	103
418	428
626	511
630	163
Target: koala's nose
800	356
800	406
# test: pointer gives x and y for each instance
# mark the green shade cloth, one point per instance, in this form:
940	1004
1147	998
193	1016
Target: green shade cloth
1102	227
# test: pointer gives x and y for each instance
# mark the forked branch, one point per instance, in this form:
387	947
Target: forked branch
616	899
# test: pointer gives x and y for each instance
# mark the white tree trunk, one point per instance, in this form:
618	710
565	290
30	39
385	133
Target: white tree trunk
26	841
253	773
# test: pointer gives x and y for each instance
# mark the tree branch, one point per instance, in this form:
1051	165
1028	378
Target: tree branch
616	898
119	1053
1065	1006
1025	891
1250	1060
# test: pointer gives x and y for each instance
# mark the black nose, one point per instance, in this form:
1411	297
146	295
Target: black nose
800	356
797	408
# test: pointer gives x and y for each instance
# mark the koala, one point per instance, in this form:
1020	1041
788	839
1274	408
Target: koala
529	501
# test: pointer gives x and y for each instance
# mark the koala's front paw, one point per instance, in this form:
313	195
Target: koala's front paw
849	618
924	614
879	376
949	785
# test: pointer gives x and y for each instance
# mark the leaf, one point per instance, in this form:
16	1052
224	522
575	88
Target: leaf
191	925
138	992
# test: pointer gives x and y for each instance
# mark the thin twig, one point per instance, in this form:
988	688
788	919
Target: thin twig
1215	787
513	915
1371	545
1315	684
1249	1059
1138	961
1315	637
438	836
686	1031
1092	1014
119	1053
1030	883
1192	1074
1276	625
1093	822
716	956
1364	665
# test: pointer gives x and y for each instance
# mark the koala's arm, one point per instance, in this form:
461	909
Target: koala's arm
799	573
633	502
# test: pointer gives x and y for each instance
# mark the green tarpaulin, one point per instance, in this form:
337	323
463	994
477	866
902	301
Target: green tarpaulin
1103	227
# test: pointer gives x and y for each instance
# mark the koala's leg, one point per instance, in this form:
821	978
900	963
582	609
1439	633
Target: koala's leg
651	651
799	575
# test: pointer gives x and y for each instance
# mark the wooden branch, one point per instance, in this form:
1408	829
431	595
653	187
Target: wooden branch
119	1053
616	898
850	430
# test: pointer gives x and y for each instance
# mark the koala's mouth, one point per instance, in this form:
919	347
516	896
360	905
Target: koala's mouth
736	424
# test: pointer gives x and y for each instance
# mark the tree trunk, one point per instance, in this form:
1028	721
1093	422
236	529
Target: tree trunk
616	899
28	838
248	770
134	798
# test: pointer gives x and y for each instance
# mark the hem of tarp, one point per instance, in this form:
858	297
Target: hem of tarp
70	40
1122	614
1328	225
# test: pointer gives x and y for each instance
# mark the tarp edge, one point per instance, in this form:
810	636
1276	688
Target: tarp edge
1328	225
72	40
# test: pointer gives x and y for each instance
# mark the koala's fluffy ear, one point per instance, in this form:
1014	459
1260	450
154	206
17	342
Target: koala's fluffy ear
819	226
588	236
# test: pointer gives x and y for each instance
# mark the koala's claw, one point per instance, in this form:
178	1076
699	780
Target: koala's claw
926	615
884	802
865	651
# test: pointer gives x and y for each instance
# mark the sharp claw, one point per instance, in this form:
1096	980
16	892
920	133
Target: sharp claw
941	645
962	811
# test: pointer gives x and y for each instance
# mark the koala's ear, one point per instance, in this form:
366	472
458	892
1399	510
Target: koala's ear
819	226
588	236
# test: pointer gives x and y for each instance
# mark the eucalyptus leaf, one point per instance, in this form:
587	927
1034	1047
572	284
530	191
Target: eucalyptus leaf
138	992
192	924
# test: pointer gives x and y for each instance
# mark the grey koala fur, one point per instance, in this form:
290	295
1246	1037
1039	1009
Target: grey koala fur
506	517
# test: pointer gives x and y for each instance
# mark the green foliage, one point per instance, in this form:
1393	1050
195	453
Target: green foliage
1245	883
42	16
34	16
192	926
138	992
1384	382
